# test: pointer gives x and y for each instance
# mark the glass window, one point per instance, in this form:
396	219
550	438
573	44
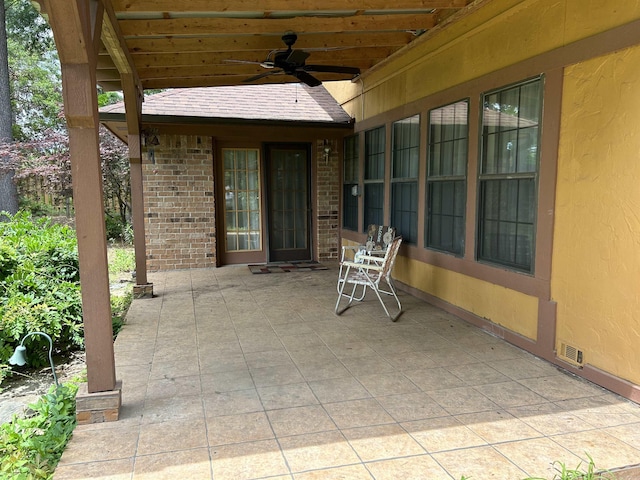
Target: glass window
447	177
405	161
374	177
242	212
350	184
508	175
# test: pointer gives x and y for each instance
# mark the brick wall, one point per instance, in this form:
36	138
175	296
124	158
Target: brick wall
179	204
328	199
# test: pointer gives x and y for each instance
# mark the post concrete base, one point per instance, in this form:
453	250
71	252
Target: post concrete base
143	291
98	407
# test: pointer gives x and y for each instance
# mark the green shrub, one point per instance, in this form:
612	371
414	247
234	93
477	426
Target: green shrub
31	447
119	307
117	230
39	288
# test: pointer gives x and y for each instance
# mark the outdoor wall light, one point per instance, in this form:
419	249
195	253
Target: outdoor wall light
19	357
327	150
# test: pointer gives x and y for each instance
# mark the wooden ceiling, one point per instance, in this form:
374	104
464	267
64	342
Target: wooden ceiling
174	43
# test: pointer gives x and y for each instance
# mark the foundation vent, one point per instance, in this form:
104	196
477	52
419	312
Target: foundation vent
571	354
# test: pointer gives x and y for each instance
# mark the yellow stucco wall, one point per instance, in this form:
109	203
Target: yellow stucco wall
505	307
596	259
496	35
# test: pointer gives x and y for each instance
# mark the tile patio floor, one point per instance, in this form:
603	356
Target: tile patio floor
228	375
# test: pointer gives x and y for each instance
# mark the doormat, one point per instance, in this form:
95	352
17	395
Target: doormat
281	267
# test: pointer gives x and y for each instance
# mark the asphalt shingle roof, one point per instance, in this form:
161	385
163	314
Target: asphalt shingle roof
278	102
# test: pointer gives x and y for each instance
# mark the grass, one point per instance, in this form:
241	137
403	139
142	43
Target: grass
122	262
578	473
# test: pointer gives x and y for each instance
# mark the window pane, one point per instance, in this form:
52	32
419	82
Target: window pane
351	179
510	129
446	177
374	154
507	211
510	153
404	212
404	176
445	229
373	200
242	199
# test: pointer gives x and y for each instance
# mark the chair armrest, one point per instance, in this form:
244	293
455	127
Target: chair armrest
364	266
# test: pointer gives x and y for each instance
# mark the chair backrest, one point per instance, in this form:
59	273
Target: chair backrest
379	237
390	257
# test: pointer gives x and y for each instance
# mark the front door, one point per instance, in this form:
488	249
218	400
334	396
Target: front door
288	180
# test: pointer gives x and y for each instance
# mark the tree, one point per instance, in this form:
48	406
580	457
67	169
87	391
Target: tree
8	190
47	159
30	93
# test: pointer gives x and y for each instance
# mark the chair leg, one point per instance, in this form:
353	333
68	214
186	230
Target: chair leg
342	283
391	292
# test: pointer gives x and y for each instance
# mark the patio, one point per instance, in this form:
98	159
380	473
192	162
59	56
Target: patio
229	375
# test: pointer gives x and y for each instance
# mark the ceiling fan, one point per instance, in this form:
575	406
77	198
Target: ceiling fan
292	62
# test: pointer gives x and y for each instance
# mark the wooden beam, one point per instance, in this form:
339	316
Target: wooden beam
276	26
109	86
114	42
220	80
224	69
234	43
108	75
191	59
105	62
282	5
70	29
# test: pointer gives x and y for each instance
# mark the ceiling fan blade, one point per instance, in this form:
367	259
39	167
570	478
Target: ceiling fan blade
307	78
297	57
261	75
264	64
250	62
332	69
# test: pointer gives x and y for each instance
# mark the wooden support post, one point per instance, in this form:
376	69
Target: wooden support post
84	145
133	109
76	25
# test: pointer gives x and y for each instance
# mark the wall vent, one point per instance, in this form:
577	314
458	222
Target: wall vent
571	354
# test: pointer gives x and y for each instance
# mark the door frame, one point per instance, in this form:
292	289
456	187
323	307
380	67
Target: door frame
266	151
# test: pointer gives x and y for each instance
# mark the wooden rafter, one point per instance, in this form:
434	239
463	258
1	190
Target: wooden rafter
232	43
194	59
275	26
280	5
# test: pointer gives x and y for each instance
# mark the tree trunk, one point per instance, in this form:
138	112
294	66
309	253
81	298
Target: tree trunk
8	190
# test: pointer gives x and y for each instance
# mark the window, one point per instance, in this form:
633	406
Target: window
404	177
508	175
374	177
446	177
242	199
349	183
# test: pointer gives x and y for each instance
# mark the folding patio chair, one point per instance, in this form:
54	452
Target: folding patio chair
378	239
370	271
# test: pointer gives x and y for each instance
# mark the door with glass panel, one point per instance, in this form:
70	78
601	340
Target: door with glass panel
243	242
288	180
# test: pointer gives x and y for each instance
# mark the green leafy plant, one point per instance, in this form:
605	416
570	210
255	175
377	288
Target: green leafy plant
578	473
31	447
119	307
39	288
